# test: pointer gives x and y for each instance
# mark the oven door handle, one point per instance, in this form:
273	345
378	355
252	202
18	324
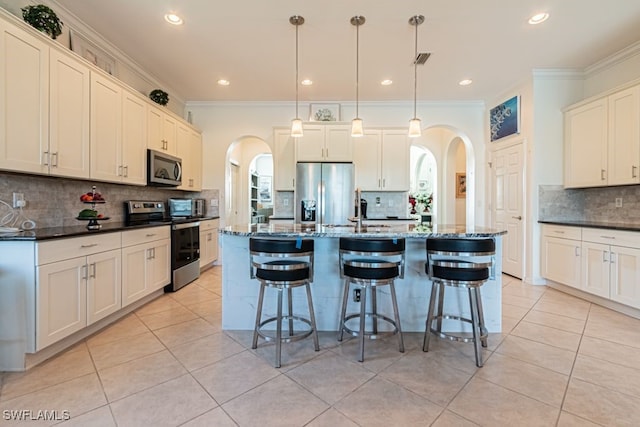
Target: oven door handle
185	225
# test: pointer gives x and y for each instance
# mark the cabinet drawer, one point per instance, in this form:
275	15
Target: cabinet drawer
628	239
209	225
562	231
144	235
61	249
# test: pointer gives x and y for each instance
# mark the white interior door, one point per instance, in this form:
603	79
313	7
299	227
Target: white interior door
508	194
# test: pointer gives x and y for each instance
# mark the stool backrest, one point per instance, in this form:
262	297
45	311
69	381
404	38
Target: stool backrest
461	253
373	248
281	248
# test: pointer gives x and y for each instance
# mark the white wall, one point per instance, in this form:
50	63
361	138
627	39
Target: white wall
223	123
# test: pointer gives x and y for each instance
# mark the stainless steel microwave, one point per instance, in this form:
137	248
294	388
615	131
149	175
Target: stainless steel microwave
163	170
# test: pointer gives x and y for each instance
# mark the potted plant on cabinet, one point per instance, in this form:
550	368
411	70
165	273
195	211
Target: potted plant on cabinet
42	18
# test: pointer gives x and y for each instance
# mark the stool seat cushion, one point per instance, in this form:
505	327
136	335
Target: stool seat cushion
372	245
459	274
461	245
280	246
379	269
284	271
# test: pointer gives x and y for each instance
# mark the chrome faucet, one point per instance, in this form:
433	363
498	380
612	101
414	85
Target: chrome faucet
358	217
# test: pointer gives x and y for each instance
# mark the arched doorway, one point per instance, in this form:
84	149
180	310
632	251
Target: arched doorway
241	154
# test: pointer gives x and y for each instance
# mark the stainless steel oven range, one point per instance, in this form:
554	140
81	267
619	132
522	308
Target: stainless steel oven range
185	239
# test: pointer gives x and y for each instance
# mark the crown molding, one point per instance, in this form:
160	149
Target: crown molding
558	73
612	60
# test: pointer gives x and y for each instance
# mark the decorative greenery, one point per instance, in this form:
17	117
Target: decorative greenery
159	96
42	18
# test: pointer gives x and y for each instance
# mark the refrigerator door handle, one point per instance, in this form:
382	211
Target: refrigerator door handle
321	191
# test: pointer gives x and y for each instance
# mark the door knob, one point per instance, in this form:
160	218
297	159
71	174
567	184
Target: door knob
519	217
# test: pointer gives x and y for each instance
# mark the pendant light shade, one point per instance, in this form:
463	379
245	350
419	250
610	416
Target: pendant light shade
356	124
296	124
415	126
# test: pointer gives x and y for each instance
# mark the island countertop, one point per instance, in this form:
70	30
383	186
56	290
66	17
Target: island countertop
419	231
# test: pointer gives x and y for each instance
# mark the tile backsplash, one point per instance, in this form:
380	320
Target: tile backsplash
54	201
590	204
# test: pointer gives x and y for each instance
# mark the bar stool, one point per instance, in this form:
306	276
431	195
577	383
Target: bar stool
384	263
272	271
459	263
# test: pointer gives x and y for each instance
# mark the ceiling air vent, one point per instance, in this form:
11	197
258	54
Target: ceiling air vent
421	58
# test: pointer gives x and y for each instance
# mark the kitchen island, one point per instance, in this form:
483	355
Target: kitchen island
240	292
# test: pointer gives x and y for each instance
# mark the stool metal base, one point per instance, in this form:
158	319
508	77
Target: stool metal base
258	330
362	333
480	333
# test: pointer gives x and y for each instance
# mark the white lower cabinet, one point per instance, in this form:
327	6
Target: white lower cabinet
208	242
77	283
601	262
561	257
146	262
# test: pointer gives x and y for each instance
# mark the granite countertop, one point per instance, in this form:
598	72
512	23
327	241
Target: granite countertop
594	224
395	230
81	230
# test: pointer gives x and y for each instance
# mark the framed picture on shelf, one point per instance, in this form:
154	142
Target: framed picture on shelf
264	189
83	47
324	112
461	185
504	119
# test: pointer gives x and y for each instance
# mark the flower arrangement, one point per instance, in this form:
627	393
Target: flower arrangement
159	96
422	199
42	18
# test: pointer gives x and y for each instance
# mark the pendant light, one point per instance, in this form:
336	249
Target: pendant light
415	126
356	124
296	124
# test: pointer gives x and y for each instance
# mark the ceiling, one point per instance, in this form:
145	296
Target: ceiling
252	44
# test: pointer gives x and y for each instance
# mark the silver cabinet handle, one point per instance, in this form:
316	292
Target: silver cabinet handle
577	250
120	170
608	237
209	237
93	270
150	234
89	246
519	217
612	258
384	182
126	171
558	231
327	153
54	159
45	158
85	271
379	183
604	256
602	174
634	171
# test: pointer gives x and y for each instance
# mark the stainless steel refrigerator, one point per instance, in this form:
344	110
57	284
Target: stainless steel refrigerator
324	193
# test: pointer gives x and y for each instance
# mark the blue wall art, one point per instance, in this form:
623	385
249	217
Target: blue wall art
505	119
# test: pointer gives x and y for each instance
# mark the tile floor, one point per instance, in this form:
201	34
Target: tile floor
559	361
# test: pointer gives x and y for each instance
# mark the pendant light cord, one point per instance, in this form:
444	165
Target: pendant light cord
415	73
357	66
297	25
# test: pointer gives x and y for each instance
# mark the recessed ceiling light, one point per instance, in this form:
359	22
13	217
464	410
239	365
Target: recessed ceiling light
538	18
172	18
224	82
386	82
306	82
465	82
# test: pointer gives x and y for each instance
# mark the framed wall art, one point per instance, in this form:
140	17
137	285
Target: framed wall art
324	112
83	47
505	119
461	185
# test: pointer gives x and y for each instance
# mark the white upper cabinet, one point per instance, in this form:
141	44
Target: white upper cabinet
162	131
189	149
325	143
284	160
602	141
586	145
68	153
106	129
381	159
24	100
624	137
133	164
